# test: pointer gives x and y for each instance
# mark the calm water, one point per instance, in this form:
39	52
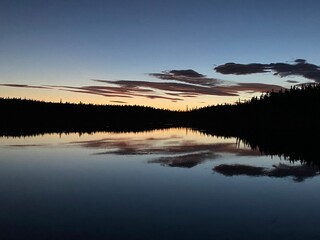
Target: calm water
163	184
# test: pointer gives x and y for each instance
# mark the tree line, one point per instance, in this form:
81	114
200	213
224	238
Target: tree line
23	117
293	109
284	123
289	110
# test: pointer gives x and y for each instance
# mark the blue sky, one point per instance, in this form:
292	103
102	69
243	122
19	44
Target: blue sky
68	43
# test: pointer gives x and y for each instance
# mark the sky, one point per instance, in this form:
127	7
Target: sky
165	54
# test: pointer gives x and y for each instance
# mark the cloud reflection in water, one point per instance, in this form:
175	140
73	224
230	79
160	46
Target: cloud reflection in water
174	150
299	173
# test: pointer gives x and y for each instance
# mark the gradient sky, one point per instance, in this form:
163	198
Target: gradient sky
52	50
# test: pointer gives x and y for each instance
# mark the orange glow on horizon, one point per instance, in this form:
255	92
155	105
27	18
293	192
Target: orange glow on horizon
55	95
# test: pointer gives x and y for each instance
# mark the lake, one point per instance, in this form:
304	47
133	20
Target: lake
173	183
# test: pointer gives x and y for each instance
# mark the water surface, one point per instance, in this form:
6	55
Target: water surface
161	184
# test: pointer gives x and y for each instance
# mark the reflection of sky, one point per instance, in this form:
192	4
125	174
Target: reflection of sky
182	148
88	187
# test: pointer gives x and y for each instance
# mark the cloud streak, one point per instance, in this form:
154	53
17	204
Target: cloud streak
300	68
189	84
119	91
25	86
171	85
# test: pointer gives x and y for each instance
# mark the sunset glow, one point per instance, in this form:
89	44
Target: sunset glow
163	54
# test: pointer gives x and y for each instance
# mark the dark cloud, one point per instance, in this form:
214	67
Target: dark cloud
292	81
187	76
173	74
121	102
26	145
299	60
299	173
241	69
24	86
300	67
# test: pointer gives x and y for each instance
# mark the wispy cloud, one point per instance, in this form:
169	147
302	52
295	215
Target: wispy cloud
292	81
120	102
189	84
27	145
171	85
300	67
180	89
25	86
119	91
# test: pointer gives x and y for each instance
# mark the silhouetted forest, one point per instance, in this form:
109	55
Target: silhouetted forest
295	109
278	123
25	117
285	123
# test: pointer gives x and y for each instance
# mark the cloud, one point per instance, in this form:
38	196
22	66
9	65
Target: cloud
129	91
175	85
241	69
180	89
253	87
292	81
299	173
27	145
186	84
300	67
121	102
24	86
187	76
173	74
